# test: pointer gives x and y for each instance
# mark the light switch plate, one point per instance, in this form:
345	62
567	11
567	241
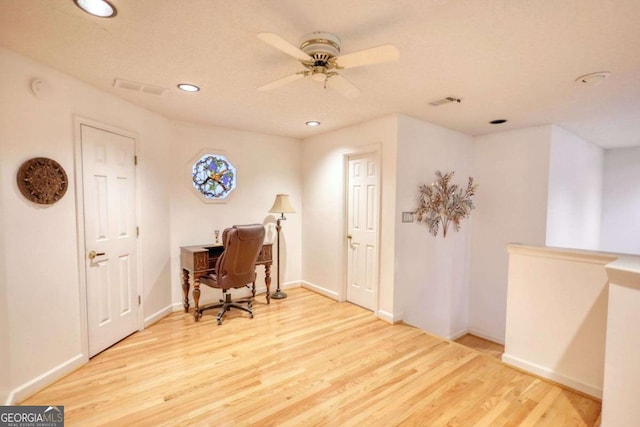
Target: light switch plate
407	216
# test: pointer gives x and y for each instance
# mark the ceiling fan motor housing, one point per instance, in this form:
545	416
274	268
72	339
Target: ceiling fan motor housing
320	45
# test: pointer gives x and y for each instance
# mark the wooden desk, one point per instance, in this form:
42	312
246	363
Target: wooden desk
201	259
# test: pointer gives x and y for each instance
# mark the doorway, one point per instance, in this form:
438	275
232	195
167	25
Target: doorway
363	219
107	201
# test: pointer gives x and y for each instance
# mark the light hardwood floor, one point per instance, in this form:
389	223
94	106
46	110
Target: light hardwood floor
304	361
480	344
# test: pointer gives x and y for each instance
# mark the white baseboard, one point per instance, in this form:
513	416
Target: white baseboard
389	317
41	381
285	285
158	315
459	334
381	314
177	306
551	375
319	289
487	337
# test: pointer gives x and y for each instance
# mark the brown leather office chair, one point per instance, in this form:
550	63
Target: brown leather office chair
236	267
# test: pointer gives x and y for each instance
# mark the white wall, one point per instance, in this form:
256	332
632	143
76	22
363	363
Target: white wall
323	228
40	247
557	315
266	165
39	244
431	273
511	169
5	354
621	201
575	192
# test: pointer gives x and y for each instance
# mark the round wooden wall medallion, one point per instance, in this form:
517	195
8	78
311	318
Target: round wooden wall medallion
42	180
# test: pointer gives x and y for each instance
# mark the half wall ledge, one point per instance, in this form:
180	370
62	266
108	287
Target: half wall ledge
622	370
557	314
573	317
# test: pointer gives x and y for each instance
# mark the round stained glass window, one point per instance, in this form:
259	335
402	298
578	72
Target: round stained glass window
214	176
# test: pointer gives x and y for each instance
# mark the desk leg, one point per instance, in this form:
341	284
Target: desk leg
185	289
267	281
197	314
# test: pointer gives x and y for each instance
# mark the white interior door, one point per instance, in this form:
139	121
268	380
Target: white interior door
110	236
362	230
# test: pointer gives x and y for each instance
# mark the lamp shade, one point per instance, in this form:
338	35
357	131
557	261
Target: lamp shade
282	204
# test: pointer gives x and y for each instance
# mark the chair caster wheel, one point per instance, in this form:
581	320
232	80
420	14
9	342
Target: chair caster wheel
219	322
251	316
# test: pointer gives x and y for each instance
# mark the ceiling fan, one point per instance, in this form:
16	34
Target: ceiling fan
319	54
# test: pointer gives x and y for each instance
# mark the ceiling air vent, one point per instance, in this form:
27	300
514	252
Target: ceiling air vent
139	87
446	100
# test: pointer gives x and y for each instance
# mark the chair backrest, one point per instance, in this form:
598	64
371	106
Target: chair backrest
236	267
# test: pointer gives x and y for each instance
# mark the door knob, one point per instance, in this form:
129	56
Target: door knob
93	254
349	236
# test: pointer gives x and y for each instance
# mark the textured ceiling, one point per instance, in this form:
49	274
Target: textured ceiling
512	59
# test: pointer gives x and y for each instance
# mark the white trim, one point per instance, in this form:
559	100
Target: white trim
625	271
158	315
139	235
82	273
320	290
574	255
178	306
389	317
551	375
41	381
458	334
287	285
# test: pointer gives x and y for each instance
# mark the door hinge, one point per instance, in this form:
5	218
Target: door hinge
139	300
135	160
137	231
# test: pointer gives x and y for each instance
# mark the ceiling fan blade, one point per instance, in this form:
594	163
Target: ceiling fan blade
281	82
375	55
283	45
343	86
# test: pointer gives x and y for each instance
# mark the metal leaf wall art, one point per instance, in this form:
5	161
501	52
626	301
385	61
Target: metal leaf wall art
444	203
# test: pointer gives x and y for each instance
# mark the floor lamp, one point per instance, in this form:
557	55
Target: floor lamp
282	205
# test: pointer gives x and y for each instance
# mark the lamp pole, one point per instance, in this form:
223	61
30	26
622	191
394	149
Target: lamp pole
281	205
278	294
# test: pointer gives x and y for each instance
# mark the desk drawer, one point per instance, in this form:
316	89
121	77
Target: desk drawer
201	261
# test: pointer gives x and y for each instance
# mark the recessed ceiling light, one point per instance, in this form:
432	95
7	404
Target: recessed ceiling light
312	123
99	8
498	121
187	87
593	78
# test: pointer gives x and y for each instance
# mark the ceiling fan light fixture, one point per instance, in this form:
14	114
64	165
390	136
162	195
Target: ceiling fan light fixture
99	8
188	87
318	76
312	123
